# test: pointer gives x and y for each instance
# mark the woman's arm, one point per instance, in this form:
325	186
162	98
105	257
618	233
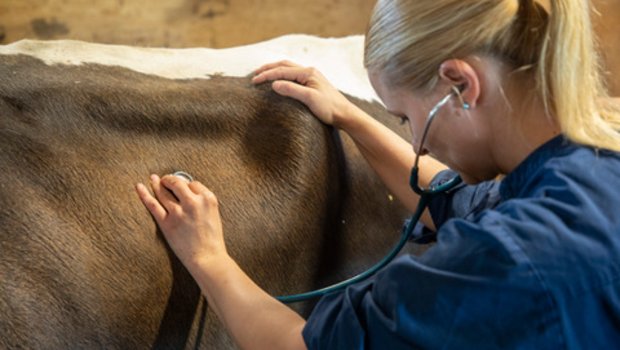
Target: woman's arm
387	153
190	222
391	157
254	319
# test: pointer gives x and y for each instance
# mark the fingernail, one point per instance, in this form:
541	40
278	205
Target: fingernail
153	178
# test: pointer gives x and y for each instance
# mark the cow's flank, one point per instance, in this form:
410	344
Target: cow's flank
82	264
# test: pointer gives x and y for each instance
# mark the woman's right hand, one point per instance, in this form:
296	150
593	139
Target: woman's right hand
308	86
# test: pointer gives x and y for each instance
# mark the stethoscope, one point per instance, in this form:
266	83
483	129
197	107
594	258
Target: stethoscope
426	194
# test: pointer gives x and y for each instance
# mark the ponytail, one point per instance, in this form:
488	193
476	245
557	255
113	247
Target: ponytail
570	81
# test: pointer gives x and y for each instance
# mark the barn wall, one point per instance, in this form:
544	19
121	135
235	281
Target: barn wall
180	23
223	23
606	19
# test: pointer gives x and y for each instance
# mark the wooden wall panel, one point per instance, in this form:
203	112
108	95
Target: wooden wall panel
180	23
225	23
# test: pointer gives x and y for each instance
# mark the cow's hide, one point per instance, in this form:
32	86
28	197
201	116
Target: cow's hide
81	261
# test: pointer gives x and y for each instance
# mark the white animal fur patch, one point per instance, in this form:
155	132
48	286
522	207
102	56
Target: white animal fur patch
339	59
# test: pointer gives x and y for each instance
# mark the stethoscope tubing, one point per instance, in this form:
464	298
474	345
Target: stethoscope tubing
406	234
425	197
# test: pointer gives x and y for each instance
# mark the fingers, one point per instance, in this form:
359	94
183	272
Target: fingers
203	191
164	201
269	66
290	89
289	79
197	187
152	204
299	74
165	197
178	186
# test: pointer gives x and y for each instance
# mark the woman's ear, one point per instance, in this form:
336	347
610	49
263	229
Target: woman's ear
462	75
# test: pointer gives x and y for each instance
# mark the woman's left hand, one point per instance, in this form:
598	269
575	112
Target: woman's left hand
188	216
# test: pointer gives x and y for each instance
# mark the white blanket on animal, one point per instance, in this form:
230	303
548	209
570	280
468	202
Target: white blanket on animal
339	59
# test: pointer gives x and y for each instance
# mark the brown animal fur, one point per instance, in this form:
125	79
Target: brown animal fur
81	262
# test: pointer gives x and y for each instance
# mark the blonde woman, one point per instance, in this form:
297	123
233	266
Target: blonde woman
531	261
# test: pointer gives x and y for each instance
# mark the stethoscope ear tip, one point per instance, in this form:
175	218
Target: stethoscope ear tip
458	89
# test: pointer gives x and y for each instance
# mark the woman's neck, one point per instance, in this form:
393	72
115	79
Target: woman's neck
522	122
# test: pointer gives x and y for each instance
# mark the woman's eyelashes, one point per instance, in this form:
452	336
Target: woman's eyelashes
403	118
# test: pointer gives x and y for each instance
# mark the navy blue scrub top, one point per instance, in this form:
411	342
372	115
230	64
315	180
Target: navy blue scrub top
530	262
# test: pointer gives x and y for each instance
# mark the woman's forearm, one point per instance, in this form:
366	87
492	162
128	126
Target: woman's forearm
390	156
254	319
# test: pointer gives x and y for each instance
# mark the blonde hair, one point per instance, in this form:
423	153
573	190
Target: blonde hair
408	40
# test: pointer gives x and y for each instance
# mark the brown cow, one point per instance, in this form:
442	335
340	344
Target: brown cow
81	262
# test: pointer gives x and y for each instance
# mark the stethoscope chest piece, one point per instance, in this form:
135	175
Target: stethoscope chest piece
183	175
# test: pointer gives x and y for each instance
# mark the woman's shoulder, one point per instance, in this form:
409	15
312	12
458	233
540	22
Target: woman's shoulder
564	195
578	166
573	190
564	166
560	201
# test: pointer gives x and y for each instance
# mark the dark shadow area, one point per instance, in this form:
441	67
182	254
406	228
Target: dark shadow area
333	239
176	323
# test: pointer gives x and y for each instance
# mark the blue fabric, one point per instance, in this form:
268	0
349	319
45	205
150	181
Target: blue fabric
458	202
531	262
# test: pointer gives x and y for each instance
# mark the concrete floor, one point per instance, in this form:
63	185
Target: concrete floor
224	23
